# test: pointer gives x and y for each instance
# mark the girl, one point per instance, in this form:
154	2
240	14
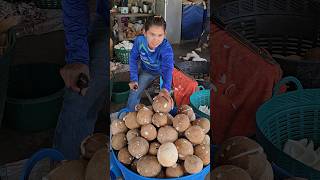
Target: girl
155	55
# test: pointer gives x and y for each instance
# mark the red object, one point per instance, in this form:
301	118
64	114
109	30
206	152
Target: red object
183	87
244	81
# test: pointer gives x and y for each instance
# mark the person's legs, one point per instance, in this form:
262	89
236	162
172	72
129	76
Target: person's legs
79	114
135	96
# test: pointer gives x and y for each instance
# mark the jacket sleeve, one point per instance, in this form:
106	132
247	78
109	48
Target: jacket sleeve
133	61
76	25
167	67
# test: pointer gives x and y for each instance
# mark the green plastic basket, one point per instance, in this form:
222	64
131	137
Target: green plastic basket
48	4
200	98
122	55
120	92
292	115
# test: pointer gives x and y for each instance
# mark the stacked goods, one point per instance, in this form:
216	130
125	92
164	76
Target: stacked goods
244	153
154	144
92	164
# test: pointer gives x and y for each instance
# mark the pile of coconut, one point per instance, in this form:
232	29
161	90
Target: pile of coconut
92	164
152	143
242	158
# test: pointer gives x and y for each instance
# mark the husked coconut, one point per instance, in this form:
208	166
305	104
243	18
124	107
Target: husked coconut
138	147
236	147
131	120
294	57
124	156
149	132
184	148
118	141
167	154
256	165
162	104
154	146
206	140
148	166
193	164
176	171
139	106
167	134
97	166
181	122
195	134
229	172
92	143
203	152
118	126
187	110
170	118
74	169
204	123
132	133
144	116
160	119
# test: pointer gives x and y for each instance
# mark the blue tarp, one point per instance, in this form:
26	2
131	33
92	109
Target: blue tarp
192	21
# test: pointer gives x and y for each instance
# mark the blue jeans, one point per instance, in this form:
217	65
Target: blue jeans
145	79
79	114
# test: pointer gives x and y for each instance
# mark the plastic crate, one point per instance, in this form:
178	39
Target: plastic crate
292	115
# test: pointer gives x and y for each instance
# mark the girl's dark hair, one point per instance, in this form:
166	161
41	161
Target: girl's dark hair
155	21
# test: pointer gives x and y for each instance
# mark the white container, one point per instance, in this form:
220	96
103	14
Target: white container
134	9
124	10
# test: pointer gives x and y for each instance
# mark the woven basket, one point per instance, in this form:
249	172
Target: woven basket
293	115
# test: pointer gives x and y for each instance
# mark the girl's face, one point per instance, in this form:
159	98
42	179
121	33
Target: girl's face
155	36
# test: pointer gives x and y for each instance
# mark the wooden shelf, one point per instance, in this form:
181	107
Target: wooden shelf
118	15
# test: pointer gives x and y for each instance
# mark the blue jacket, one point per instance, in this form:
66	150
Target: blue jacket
158	62
76	26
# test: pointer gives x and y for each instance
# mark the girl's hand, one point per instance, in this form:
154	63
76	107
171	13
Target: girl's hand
133	86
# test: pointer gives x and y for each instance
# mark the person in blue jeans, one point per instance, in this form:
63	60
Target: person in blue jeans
86	52
155	55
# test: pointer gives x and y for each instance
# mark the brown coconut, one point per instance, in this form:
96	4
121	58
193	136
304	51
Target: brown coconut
193	164
206	140
167	134
134	165
131	120
160	119
138	147
204	123
175	171
153	149
236	147
149	132
184	148
74	169
195	134
187	110
162	104
139	106
148	166
170	118
203	152
92	143
97	166
118	126
162	174
118	141
132	133
181	122
294	57
167	154
124	156
144	116
256	165
313	54
229	172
